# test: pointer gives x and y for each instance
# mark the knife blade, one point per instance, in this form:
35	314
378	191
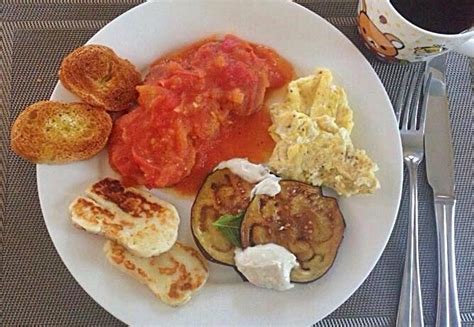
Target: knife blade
440	173
438	141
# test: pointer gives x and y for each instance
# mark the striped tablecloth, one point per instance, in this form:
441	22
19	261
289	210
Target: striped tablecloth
37	288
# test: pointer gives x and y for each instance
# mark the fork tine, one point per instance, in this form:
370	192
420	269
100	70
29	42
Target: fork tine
400	96
416	103
424	108
408	101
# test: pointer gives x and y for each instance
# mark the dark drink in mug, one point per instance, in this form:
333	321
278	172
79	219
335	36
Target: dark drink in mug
439	16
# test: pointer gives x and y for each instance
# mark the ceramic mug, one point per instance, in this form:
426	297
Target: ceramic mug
393	38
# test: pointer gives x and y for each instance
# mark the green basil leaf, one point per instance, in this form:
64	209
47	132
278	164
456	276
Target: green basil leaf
229	226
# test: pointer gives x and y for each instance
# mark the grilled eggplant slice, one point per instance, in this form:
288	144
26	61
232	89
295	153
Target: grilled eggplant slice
301	219
222	193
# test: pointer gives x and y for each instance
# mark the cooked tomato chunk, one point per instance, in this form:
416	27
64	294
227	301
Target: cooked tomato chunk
186	101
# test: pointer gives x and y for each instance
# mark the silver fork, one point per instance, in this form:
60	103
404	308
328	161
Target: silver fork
411	115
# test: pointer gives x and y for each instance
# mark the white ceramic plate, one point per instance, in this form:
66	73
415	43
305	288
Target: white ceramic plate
308	41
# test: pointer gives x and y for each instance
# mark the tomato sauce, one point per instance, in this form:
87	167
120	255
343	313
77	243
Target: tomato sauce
247	137
197	107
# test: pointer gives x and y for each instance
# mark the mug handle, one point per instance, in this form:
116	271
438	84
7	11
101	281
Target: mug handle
467	48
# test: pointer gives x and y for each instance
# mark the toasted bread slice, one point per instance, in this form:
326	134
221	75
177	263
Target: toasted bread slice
139	221
100	78
173	276
54	132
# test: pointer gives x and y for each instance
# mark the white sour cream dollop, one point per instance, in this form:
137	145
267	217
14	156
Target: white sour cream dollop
269	186
253	173
267	265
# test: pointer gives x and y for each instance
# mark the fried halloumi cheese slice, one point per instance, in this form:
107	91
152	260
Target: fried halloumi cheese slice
139	221
173	276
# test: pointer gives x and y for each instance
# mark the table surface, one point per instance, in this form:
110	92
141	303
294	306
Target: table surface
37	288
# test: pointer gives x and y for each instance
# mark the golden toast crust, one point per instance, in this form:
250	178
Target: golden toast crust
53	132
100	78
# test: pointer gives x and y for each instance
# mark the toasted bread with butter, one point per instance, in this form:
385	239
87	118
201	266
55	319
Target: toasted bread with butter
53	132
144	224
100	78
173	276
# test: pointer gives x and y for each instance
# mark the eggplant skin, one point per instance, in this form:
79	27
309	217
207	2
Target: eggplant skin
301	219
242	276
222	193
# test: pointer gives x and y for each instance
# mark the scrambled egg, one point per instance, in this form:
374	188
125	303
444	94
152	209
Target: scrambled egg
312	130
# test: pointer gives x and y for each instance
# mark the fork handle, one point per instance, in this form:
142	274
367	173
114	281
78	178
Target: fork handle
410	308
448	305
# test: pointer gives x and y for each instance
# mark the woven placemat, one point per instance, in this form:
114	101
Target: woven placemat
37	288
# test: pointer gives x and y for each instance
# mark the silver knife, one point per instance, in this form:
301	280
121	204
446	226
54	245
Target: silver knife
440	171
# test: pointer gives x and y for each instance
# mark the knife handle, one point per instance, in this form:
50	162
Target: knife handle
448	305
410	307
